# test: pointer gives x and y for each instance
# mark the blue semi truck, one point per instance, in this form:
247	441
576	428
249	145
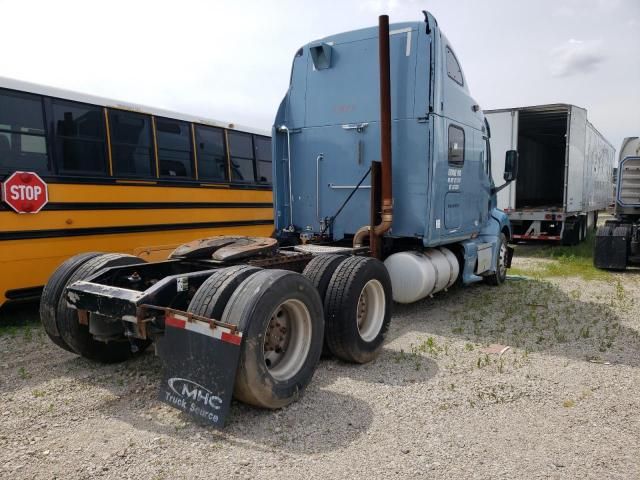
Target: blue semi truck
382	192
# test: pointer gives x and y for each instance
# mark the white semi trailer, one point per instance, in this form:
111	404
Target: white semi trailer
565	168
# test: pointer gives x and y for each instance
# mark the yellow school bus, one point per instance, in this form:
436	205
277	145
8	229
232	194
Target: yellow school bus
119	177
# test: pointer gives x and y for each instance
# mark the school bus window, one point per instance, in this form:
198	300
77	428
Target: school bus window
242	161
212	158
174	148
131	144
22	135
263	156
79	138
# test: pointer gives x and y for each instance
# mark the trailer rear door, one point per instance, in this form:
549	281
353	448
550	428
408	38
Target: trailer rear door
576	142
504	136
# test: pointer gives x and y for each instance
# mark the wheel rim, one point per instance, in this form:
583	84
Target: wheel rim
502	269
371	310
287	339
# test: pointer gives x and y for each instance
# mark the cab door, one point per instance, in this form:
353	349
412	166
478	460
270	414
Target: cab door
453	199
465	199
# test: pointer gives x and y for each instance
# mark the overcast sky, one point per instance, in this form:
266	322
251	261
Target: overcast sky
231	60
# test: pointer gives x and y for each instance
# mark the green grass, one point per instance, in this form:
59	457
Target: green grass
569	261
534	315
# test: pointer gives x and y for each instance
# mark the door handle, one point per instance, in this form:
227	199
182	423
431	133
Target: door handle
359	127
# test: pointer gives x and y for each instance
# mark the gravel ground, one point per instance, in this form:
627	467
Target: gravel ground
562	402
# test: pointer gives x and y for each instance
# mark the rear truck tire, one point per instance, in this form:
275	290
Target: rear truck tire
319	272
280	315
358	309
213	295
52	292
621	241
570	233
499	277
602	246
78	336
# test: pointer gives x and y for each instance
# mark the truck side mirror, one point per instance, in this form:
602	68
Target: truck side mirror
511	166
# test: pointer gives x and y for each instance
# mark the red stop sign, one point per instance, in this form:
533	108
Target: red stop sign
25	192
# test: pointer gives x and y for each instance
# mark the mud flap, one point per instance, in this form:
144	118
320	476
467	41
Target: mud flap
200	363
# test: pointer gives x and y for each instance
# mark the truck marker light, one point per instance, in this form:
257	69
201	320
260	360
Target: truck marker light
218	332
231	338
171	321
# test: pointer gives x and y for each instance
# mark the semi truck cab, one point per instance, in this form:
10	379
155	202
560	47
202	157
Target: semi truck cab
382	192
327	133
617	243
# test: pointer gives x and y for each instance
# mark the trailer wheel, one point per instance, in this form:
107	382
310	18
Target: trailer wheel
279	313
52	292
500	275
77	336
214	294
319	272
358	309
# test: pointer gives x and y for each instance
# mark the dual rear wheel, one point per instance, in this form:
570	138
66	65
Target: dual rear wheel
339	303
280	316
357	307
61	323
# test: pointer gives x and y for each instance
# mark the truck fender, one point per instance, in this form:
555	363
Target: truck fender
504	225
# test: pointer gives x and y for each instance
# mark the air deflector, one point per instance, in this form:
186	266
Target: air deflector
321	55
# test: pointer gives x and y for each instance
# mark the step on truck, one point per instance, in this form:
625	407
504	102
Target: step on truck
354	231
565	171
618	240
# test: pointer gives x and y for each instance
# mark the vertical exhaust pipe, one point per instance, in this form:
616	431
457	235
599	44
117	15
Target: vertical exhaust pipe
385	126
386	209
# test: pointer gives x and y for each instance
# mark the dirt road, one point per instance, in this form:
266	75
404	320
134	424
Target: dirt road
562	402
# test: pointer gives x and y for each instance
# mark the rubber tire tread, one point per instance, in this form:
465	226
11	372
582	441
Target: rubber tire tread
600	250
250	309
624	231
77	336
213	295
319	272
52	292
340	305
495	279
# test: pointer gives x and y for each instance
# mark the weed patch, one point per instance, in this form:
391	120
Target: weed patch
568	261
